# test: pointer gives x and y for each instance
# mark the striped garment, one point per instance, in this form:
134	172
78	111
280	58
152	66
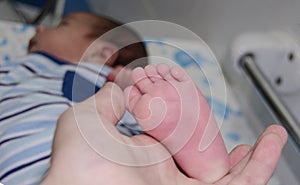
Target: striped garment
34	91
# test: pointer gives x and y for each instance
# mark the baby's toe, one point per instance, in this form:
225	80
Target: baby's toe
179	74
163	70
141	80
152	73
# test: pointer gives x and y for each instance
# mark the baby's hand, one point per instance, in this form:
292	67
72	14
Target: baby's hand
121	76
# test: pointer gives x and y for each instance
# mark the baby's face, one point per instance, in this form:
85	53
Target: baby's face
67	41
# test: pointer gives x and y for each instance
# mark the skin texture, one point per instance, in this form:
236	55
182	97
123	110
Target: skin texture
84	163
68	41
186	116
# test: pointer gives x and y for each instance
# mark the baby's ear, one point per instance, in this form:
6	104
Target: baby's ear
101	52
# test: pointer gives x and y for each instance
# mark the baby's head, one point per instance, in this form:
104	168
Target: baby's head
77	31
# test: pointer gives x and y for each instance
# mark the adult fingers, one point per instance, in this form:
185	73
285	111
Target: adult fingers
263	160
238	153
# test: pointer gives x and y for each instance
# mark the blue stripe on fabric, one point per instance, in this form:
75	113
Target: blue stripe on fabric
33	71
29	68
25	156
13	138
23	166
28	176
49	77
42	64
20	91
30	124
28	101
4	71
32	108
9	84
53	58
29	94
23	129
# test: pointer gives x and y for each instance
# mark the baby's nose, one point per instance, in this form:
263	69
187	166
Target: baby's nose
40	29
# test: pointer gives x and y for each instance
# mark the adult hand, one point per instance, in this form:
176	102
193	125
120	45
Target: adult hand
121	76
81	138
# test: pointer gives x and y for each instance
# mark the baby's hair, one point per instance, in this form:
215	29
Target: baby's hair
120	35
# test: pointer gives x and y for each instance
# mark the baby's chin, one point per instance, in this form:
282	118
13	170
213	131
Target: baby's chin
29	51
32	48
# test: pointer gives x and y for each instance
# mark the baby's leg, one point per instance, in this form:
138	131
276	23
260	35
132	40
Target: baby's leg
169	107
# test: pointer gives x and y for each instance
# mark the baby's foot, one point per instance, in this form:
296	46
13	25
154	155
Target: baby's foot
84	154
170	108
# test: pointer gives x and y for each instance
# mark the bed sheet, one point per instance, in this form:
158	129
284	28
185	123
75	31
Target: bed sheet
192	56
14	39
